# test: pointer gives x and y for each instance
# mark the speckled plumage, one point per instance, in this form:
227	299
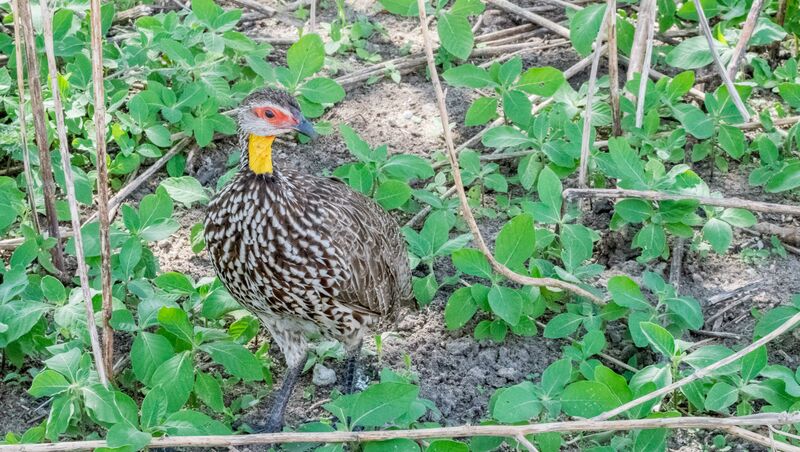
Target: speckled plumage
306	254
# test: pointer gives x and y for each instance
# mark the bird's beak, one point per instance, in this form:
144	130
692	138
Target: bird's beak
306	128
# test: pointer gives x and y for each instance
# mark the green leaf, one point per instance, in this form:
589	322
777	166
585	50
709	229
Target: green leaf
482	110
48	383
753	363
516	241
516	403
472	262
193	423
719	234
786	179
392	194
53	290
455	34
652	240
237	360
732	140
123	435
710	354
147	353
738	217
382	403
322	91
468	76
772	320
467	7
541	81
159	135
626	293
208	390
584	26
460	309
425	288
692	53
720	397
305	57
407	167
446	445
176	321
587	399
562	325
556	376
154	408
175	283
517	107
129	256
177	377
659	338
696	122
790	92
392	445
402	7
186	190
633	210
506	303
504	137
206	11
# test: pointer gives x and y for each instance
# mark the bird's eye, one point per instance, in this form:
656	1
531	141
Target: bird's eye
269	113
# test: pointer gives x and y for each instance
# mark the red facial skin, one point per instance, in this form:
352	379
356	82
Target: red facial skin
279	118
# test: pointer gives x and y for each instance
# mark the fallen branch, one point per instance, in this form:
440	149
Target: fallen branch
650	26
617	193
702	373
613	71
256	6
744	38
465	431
638	49
759	439
790	235
61	130
40	132
532	17
706	29
458	183
133	13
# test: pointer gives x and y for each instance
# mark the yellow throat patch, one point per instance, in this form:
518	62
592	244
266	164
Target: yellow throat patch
259	151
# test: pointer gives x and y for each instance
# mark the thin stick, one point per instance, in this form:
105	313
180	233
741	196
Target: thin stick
459	184
464	431
747	33
47	23
701	373
616	193
638	49
759	439
532	17
256	6
676	266
40	132
23	128
102	181
646	62
613	70
587	112
525	443
706	29
312	19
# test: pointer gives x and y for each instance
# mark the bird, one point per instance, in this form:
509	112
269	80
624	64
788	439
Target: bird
306	254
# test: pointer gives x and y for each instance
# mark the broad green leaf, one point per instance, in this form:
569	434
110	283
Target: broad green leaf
193	423
402	7
633	210
738	217
516	241
732	140
177	376
720	397
322	91
584	26
786	179
587	399
460	309
541	81
208	390
237	360
790	92
516	403
469	76
382	403
175	283
710	354
719	234
562	325
48	383
446	445
472	262
305	57
154	407
126	436
753	363
176	321
517	108
506	303
147	353
626	293
392	194
186	190
659	338
504	137
692	53
482	110
773	319
455	34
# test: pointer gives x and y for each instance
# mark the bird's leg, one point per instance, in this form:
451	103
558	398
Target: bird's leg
278	408
351	369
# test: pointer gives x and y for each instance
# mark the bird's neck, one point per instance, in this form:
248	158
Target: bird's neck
259	154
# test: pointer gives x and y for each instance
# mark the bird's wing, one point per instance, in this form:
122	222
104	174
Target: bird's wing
372	251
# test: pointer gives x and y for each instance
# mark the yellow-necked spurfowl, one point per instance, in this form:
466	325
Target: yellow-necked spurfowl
305	254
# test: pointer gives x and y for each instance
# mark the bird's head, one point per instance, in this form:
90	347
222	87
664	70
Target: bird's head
262	116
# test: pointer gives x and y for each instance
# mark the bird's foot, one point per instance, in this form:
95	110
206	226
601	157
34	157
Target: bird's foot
274	422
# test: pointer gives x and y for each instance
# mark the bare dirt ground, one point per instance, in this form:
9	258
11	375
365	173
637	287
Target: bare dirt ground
457	373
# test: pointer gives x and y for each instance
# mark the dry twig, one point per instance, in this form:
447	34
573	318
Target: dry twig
47	25
646	17
649	24
744	38
617	193
23	129
706	29
613	70
458	183
40	132
759	439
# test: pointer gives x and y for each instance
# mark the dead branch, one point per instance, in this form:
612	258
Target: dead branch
676	265
646	17
646	63
47	25
613	70
532	17
706	29
744	38
23	128
256	6
617	193
786	234
759	439
133	13
465	431
702	373
102	182
40	132
458	183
